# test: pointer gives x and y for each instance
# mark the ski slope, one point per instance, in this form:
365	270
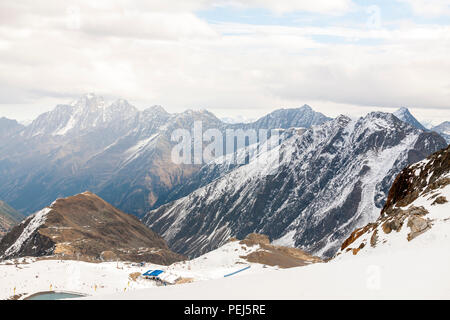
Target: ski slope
408	274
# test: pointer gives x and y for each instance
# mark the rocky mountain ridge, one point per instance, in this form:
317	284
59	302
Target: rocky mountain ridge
85	227
444	130
311	192
405	115
117	151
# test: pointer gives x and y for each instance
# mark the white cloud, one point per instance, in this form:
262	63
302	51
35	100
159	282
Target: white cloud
153	53
430	8
151	25
283	6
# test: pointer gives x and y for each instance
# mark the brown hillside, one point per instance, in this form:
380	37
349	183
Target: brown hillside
86	227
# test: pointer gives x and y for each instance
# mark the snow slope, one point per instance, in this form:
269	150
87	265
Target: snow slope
438	216
32	223
222	261
235	259
411	273
29	275
417	213
394	268
405	115
415	271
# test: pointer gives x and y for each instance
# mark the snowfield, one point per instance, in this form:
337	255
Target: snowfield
408	274
27	276
414	272
30	276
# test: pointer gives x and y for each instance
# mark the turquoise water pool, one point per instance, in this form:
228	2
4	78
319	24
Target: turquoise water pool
54	296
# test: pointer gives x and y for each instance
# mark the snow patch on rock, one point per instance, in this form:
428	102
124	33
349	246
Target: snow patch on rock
33	223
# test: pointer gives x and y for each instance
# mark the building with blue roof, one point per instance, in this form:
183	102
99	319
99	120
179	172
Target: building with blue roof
153	273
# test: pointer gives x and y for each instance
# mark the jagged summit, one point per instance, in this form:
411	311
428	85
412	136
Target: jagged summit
402	110
405	115
123	156
156	109
90	112
88	100
198	113
86	113
444	127
343	119
307	106
444	130
304	117
9	127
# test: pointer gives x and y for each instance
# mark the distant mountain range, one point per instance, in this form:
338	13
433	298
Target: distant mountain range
444	130
9	127
117	151
317	187
405	115
8	218
328	176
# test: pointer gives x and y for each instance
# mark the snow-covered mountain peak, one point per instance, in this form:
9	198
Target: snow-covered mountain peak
382	121
121	103
402	111
197	115
89	102
87	112
294	117
321	184
384	116
307	107
156	109
195	111
444	130
343	120
121	109
405	115
90	95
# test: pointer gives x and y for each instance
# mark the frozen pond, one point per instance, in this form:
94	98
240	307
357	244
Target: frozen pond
53	296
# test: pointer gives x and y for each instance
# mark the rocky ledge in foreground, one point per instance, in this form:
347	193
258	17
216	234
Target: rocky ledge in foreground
418	202
271	255
86	227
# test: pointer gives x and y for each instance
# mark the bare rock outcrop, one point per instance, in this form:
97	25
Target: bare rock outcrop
425	179
272	255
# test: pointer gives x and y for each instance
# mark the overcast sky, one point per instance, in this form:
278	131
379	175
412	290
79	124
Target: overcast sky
232	57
